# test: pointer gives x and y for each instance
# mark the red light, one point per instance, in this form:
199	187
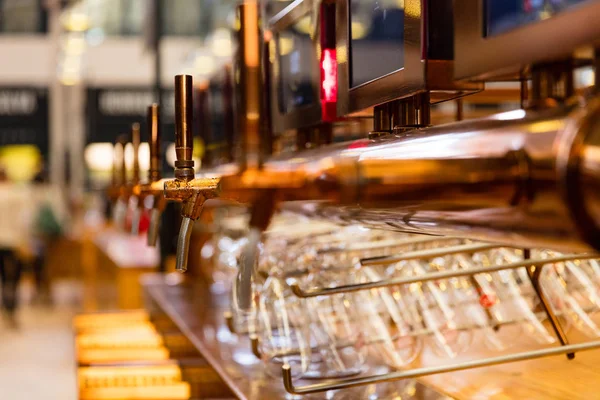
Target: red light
329	75
328	84
358	144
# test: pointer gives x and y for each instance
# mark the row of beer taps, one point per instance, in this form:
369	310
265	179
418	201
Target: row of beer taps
526	178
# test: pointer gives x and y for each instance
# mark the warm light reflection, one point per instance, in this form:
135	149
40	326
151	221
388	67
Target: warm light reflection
412	9
358	30
510	115
76	21
546	126
204	64
20	162
304	25
342	54
221	43
99	156
286	45
251	39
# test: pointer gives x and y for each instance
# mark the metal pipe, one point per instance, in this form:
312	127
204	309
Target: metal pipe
122	139
153	121
184	139
191	192
120	211
154	174
424	371
135	180
135	141
248	64
520	177
252	153
433	276
429	253
534	271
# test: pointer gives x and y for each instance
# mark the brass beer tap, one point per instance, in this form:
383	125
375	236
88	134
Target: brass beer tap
192	192
120	190
154	186
135	180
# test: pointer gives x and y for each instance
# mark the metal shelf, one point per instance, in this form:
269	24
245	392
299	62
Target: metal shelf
199	316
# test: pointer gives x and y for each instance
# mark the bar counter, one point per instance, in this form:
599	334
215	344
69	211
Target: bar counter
199	316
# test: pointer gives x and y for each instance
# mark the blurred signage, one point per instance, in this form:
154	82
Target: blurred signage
23	16
111	111
24	117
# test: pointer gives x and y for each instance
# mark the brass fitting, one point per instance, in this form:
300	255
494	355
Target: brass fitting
192	192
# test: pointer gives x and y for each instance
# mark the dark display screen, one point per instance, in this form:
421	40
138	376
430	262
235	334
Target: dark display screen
377	39
505	15
24	117
297	55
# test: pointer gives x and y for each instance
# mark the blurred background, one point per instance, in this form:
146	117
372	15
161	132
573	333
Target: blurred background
74	75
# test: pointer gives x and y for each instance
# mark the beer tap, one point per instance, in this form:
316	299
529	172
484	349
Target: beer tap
191	191
135	181
154	186
120	208
262	194
113	190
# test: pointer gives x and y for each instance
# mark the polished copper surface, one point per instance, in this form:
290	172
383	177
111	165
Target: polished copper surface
154	186
497	178
184	165
113	191
125	185
199	316
135	141
153	120
249	104
192	193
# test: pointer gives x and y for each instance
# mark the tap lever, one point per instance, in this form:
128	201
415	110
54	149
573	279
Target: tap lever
184	165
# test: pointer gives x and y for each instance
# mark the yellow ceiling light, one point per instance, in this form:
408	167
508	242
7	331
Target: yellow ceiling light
20	162
76	21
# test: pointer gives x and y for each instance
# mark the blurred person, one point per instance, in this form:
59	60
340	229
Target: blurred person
47	229
15	210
